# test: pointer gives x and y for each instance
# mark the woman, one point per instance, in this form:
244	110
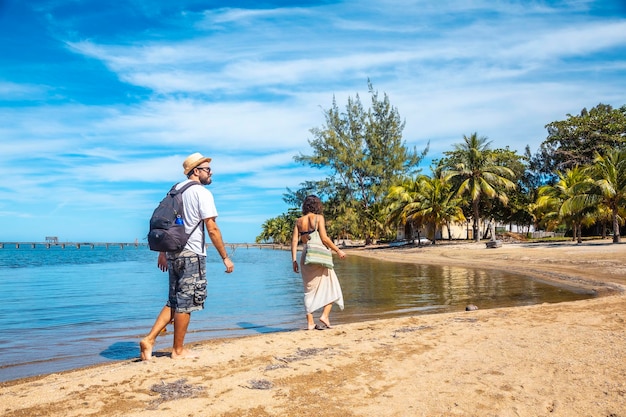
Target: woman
321	286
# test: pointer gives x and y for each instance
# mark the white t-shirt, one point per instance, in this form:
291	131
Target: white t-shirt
198	204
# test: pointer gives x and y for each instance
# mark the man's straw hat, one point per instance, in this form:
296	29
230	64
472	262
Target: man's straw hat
193	161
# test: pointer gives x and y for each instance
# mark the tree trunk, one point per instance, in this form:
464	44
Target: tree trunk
408	232
616	236
475	223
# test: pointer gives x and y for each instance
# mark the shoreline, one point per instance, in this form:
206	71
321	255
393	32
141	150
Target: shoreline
558	359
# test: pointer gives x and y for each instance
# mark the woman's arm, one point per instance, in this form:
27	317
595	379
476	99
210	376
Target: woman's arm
295	237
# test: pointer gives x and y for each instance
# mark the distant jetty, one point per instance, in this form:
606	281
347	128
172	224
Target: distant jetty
64	245
122	245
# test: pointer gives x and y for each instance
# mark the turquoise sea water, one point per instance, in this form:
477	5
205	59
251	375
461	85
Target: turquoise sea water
68	308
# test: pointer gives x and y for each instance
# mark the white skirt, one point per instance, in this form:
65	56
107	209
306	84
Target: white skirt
321	286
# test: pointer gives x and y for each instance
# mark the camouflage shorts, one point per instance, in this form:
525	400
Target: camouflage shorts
187	273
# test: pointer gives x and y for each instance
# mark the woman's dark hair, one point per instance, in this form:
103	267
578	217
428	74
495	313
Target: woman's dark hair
312	204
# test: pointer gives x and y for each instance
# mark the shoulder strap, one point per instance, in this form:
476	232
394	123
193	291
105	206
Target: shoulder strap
201	222
182	189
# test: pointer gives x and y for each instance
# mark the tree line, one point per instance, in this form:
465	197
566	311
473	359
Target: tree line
575	181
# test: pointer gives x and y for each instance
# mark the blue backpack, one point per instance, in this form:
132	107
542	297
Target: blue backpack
167	230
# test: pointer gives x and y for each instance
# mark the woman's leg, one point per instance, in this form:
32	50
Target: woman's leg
310	322
324	318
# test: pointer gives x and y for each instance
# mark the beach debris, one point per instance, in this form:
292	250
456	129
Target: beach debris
409	330
465	319
258	384
300	354
471	307
274	366
174	391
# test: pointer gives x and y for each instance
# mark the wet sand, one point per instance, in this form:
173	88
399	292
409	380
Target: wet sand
565	359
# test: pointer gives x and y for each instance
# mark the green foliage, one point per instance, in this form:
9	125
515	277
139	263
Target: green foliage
609	174
364	153
516	209
578	139
279	229
571	199
577	178
426	200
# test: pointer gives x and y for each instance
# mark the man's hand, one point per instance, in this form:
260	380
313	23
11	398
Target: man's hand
162	261
230	266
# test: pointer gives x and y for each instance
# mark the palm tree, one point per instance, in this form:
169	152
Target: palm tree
278	229
609	173
572	200
425	200
604	216
270	230
401	199
438	205
480	176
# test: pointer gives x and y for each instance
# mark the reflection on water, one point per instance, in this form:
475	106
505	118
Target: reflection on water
87	306
373	289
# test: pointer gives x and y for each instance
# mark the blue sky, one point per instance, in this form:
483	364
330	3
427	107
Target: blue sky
100	102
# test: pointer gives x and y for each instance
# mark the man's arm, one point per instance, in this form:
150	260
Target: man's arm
216	238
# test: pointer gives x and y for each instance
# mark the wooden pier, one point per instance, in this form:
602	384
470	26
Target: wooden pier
63	245
122	245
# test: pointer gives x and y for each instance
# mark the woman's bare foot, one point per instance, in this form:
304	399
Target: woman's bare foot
326	322
145	347
311	326
185	354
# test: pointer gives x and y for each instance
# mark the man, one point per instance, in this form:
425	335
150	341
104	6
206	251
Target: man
187	269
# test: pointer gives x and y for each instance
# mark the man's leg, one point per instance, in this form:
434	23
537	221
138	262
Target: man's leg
190	293
147	343
181	323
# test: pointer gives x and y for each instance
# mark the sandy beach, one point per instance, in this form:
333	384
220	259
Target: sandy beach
565	359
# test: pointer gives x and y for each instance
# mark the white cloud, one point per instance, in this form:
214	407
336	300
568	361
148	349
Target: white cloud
552	44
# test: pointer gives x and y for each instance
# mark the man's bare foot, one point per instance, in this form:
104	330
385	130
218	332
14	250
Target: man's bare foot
185	354
146	349
326	322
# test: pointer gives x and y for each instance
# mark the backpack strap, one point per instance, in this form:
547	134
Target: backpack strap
181	190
